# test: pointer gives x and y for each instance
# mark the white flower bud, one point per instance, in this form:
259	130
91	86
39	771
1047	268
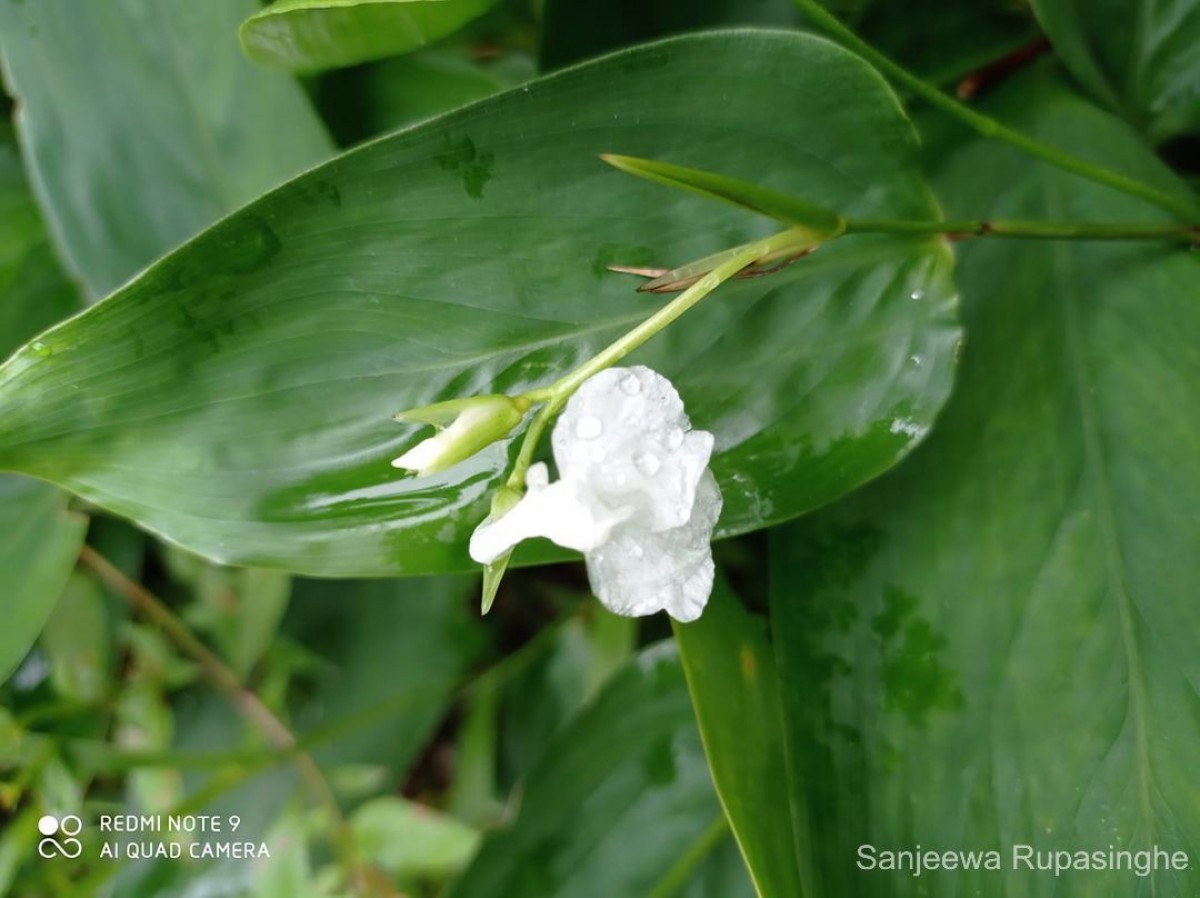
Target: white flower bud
474	424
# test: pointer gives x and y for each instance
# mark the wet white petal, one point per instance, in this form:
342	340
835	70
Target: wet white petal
564	512
640	571
625	432
635	496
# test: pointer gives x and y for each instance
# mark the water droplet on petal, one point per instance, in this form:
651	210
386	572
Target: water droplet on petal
588	427
630	385
647	462
674	437
637	551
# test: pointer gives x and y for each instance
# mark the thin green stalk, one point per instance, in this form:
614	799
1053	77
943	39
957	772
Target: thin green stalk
1045	230
557	394
989	127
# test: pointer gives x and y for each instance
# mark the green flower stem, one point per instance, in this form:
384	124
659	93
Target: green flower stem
1045	230
989	127
556	395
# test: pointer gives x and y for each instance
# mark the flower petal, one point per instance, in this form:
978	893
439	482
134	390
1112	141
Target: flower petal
641	571
565	512
626	434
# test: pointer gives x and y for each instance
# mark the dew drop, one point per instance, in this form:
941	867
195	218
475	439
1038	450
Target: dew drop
647	462
915	359
630	385
917	295
588	427
636	551
41	348
674	438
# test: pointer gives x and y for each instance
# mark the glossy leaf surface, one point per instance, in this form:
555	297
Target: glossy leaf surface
134	116
633	760
1141	57
252	375
309	35
995	644
731	676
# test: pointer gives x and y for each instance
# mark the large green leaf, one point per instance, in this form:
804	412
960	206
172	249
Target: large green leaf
38	538
730	670
237	397
309	35
1141	57
143	123
995	645
620	797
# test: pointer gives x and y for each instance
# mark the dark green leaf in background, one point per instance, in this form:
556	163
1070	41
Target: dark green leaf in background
39	540
996	643
732	679
572	31
1141	58
470	255
134	117
620	796
310	35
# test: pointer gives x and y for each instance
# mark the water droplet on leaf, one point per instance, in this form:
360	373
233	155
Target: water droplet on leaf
917	294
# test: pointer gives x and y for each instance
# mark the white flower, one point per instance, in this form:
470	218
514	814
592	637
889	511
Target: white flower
635	496
474	423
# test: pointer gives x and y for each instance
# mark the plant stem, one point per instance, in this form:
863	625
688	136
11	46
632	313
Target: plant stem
1045	230
557	394
247	703
989	127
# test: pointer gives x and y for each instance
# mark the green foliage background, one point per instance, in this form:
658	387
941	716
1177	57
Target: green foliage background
956	606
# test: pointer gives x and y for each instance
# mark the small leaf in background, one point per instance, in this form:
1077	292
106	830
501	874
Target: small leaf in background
135	117
996	643
421	267
310	35
412	842
732	679
633	760
77	641
39	542
1141	59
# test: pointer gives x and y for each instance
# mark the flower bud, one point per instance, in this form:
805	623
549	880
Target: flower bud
465	426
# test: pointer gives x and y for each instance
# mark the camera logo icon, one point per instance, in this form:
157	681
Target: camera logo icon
59	836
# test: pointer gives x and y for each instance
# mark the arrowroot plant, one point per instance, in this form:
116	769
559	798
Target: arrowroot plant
863	343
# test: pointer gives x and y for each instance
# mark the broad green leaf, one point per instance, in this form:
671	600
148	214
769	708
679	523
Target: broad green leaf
1141	57
248	418
995	645
731	676
143	123
39	539
309	35
619	797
